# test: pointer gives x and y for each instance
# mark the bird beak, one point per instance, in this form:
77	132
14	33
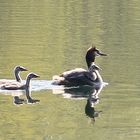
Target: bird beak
23	69
37	76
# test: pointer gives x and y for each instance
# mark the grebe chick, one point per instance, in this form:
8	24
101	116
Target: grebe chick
17	71
18	85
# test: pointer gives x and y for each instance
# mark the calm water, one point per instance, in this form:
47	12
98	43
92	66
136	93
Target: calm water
48	37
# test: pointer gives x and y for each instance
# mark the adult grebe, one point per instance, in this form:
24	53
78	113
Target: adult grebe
17	71
76	74
17	85
89	77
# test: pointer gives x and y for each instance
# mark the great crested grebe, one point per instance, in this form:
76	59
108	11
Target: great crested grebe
78	75
89	77
17	85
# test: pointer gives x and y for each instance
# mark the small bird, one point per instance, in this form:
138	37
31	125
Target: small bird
17	85
17	71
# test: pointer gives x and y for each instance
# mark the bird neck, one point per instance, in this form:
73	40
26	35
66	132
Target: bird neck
99	78
90	59
89	63
28	94
28	79
17	76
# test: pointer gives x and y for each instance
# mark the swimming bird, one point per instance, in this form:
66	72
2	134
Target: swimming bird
81	77
69	78
17	71
17	85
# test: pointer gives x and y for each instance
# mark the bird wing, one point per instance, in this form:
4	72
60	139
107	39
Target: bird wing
81	77
91	76
4	81
73	73
12	86
77	77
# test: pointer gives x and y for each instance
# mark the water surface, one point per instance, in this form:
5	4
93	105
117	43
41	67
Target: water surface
48	37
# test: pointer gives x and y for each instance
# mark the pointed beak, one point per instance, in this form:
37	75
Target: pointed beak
37	76
23	69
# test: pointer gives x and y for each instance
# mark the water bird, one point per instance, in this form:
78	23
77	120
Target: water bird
89	77
17	71
17	85
77	76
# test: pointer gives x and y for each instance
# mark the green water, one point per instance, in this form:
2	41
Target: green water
49	37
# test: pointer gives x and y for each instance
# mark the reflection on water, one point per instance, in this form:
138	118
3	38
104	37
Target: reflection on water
68	92
17	100
91	93
79	92
49	37
90	110
17	94
92	100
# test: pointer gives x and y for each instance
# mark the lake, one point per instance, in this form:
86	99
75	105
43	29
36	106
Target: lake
49	37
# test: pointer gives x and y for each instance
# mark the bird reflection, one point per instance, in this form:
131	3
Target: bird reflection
87	92
17	100
30	100
17	96
90	108
80	92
